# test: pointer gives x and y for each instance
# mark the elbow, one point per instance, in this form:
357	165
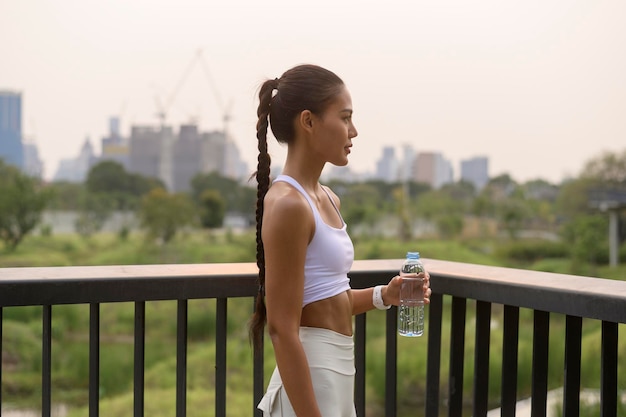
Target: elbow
282	332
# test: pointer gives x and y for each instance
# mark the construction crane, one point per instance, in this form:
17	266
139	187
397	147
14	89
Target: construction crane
164	107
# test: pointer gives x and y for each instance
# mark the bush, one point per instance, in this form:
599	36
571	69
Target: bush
532	251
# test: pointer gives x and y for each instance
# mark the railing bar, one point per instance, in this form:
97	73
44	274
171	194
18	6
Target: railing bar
139	359
181	358
433	365
571	385
46	362
359	364
608	385
220	357
457	356
510	341
94	359
481	358
539	383
391	363
258	374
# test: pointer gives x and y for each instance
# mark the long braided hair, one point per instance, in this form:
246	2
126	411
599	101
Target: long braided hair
304	87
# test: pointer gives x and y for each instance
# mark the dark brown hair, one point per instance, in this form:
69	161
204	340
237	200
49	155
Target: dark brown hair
304	87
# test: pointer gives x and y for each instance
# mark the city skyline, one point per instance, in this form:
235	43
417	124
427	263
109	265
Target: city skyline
535	86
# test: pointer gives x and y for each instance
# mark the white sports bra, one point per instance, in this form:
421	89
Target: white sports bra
329	255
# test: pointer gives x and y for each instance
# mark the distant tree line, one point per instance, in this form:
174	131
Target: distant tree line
503	205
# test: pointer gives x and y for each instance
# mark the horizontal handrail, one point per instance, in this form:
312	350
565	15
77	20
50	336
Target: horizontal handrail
596	298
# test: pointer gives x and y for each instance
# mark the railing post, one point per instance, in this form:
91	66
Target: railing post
571	388
359	363
435	312
510	341
46	363
139	360
220	357
181	358
94	359
481	358
1	350
457	356
539	388
608	388
391	363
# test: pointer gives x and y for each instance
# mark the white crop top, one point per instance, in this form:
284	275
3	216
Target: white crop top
329	255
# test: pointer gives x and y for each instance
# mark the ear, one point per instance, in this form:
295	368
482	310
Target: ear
305	120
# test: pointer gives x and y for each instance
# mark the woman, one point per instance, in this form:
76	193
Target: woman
303	250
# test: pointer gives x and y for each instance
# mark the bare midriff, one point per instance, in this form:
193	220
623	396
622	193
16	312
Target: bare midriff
334	313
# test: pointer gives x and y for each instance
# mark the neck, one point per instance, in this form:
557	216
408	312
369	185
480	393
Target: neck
306	171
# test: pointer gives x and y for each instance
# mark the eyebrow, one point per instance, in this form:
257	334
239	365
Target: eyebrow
346	111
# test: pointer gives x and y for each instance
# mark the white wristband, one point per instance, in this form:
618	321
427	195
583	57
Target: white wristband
377	298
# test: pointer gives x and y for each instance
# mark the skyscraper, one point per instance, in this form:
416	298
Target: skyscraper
433	169
476	171
11	149
387	165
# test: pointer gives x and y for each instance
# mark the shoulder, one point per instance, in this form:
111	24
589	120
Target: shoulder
285	205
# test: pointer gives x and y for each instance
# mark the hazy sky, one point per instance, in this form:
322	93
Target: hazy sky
539	86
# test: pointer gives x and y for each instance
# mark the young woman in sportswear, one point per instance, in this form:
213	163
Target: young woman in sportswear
304	252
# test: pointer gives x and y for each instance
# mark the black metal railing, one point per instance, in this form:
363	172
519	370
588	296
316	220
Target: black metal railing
544	293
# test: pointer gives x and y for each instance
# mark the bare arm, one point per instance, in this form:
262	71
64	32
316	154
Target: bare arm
287	227
362	299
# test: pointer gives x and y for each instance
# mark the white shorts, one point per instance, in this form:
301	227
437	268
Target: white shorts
331	362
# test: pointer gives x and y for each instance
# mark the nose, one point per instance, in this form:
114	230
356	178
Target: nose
352	132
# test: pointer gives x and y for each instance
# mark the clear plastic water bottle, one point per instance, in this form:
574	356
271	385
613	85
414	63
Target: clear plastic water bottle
411	309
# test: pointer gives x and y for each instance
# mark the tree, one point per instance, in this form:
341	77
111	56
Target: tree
65	195
162	214
109	178
439	207
22	202
608	168
212	209
237	197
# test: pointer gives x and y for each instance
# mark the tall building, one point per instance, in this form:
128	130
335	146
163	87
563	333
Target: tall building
76	169
114	146
187	154
150	152
387	166
11	148
33	165
433	169
476	171
176	159
406	165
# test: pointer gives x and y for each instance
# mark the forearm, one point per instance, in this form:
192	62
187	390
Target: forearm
295	374
362	300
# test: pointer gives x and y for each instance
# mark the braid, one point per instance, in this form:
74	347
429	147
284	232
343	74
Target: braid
263	182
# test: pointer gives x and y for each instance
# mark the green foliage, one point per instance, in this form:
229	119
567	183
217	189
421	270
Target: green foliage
162	214
65	195
587	237
22	201
237	197
109	178
442	207
528	251
212	209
